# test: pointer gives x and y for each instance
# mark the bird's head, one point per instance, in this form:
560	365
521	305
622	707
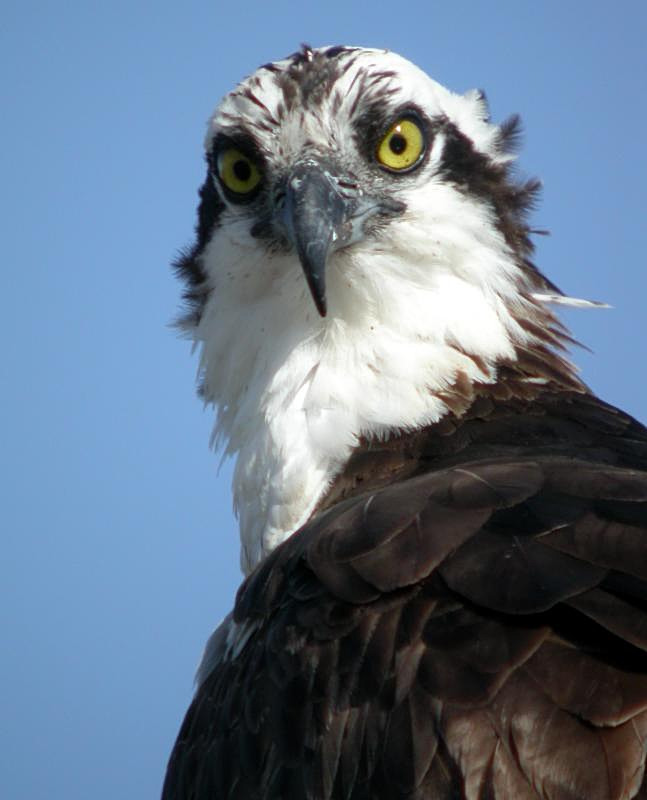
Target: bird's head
362	250
337	152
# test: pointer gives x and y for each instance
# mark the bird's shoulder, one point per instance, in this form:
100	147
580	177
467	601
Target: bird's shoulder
465	616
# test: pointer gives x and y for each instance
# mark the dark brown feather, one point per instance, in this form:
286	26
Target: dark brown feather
464	617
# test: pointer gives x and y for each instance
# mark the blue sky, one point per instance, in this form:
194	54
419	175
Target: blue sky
119	549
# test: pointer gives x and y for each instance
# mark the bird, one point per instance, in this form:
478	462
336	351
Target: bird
443	529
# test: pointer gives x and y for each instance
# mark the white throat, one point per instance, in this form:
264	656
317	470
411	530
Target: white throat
294	392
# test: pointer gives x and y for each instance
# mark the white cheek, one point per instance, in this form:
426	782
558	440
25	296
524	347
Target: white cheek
237	268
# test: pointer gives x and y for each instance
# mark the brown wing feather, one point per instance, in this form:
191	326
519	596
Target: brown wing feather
473	626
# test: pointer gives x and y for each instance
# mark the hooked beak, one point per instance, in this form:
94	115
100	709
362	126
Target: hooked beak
322	214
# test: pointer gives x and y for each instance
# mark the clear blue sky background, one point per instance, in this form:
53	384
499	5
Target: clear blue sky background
119	552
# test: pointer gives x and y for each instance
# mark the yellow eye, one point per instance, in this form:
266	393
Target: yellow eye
237	172
403	145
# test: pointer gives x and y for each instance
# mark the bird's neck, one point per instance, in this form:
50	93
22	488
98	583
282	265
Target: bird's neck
318	386
343	385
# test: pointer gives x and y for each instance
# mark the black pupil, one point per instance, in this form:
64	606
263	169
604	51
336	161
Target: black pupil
242	170
398	144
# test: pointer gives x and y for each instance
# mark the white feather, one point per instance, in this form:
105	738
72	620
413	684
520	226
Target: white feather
565	300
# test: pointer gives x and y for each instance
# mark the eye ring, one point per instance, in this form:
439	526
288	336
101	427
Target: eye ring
403	146
238	174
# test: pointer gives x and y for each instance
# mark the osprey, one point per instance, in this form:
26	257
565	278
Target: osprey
444	532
